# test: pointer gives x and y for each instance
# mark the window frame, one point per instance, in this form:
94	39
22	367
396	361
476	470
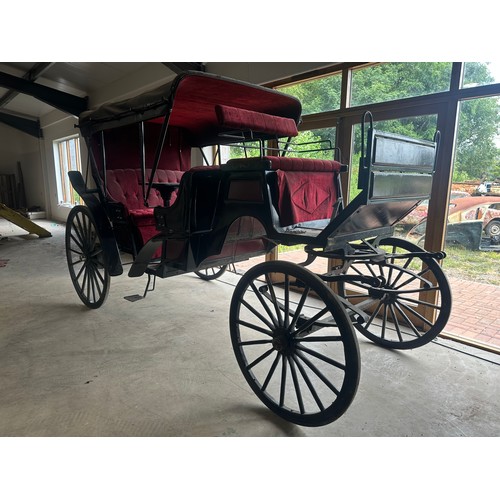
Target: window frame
66	195
444	104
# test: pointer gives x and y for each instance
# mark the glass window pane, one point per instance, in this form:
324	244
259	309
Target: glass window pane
391	81
316	96
313	144
473	250
477	153
480	73
241	150
66	158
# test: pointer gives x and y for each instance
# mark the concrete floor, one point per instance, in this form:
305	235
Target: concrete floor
164	366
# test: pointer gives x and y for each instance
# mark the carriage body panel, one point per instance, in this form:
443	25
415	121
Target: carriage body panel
174	217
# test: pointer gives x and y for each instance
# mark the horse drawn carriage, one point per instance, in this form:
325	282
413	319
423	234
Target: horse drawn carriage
293	332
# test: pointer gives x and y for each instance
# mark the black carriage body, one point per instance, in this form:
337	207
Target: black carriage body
141	148
292	336
159	207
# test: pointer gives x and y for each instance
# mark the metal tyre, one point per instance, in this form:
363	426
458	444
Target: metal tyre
86	259
401	313
211	273
294	343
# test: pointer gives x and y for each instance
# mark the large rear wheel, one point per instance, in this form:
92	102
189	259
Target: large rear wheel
211	273
294	343
86	259
412	302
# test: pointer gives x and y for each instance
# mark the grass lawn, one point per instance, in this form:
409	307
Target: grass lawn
483	267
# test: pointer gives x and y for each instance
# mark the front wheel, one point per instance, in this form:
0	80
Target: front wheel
86	259
294	343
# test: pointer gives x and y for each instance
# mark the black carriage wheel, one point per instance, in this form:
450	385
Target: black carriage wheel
401	313
86	261
294	343
211	273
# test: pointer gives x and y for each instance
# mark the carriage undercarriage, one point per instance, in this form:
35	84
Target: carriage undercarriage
293	332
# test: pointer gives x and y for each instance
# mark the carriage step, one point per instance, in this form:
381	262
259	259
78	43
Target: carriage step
134	298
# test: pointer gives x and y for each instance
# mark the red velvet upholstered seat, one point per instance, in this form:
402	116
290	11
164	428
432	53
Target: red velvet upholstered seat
124	186
307	188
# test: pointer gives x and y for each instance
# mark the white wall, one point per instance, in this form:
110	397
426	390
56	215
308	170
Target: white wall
16	146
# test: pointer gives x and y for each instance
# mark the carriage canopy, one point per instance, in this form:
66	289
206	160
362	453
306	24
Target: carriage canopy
204	106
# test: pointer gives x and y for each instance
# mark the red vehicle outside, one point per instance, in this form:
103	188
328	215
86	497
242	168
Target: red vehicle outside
469	208
485	208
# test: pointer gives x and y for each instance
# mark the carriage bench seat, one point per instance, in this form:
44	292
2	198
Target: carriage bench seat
124	186
306	188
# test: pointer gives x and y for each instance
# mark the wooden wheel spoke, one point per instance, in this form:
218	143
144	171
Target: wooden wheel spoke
257	313
308	382
315	370
271	371
259	359
296	385
261	298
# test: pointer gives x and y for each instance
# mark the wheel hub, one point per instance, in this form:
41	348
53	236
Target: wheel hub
386	293
282	341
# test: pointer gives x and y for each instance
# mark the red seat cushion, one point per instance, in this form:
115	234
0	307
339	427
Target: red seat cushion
305	196
306	188
124	186
142	216
243	119
290	164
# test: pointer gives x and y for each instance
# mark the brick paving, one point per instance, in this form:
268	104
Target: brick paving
475	312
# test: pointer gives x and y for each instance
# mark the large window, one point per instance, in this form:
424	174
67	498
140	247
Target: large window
318	95
66	158
462	101
477	74
391	81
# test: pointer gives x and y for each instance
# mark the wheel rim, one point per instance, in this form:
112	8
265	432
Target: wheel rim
86	259
211	273
400	313
294	344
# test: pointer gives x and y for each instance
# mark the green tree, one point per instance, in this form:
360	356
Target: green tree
477	154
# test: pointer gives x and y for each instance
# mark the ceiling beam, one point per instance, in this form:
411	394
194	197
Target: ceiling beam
180	67
31	127
68	103
36	71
